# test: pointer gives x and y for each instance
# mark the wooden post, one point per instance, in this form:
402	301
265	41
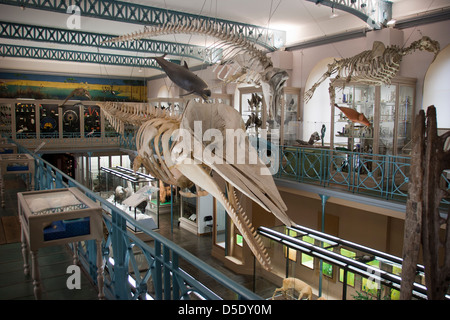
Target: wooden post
437	273
423	221
413	218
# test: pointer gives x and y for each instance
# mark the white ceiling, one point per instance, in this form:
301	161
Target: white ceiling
301	20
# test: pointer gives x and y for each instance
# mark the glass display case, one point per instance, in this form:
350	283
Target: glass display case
25	120
284	126
5	118
334	268
49	120
71	120
349	135
290	130
389	109
177	105
387	119
92	123
135	193
405	119
252	110
196	214
58	217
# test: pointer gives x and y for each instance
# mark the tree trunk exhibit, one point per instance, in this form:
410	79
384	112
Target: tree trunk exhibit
423	220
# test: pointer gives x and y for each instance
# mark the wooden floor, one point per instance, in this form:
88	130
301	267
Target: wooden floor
54	261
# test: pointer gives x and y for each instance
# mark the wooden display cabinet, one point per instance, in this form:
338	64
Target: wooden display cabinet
196	214
389	108
286	119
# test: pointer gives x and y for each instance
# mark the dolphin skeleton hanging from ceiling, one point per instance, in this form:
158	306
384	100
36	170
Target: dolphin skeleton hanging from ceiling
196	149
241	61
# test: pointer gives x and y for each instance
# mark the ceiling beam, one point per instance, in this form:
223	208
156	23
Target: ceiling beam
146	15
376	13
77	56
19	31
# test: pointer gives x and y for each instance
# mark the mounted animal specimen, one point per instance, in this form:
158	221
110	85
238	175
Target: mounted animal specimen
184	78
205	148
354	116
312	139
78	92
303	289
373	67
241	62
254	105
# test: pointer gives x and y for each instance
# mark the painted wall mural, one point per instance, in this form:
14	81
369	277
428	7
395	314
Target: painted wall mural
20	85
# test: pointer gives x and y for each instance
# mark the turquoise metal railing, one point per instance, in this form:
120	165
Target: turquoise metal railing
378	175
131	264
384	176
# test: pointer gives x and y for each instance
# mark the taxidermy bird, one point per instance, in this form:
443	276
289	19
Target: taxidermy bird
184	78
353	115
78	92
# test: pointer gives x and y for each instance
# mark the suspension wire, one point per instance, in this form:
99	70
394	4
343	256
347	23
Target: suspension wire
318	25
271	13
415	27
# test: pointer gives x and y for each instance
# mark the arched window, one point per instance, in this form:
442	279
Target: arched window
317	111
436	88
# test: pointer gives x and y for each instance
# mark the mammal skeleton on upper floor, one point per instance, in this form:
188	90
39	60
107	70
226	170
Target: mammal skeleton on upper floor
373	67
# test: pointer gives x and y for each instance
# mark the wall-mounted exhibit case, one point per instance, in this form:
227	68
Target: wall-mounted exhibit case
389	109
47	119
255	114
336	269
196	214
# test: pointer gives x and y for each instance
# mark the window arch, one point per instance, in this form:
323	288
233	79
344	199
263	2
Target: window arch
436	88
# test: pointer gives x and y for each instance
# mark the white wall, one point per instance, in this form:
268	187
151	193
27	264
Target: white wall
436	89
317	111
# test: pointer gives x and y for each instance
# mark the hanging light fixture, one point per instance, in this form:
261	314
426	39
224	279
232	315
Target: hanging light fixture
333	14
391	23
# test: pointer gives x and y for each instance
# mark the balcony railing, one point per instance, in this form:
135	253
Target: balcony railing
134	269
384	176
